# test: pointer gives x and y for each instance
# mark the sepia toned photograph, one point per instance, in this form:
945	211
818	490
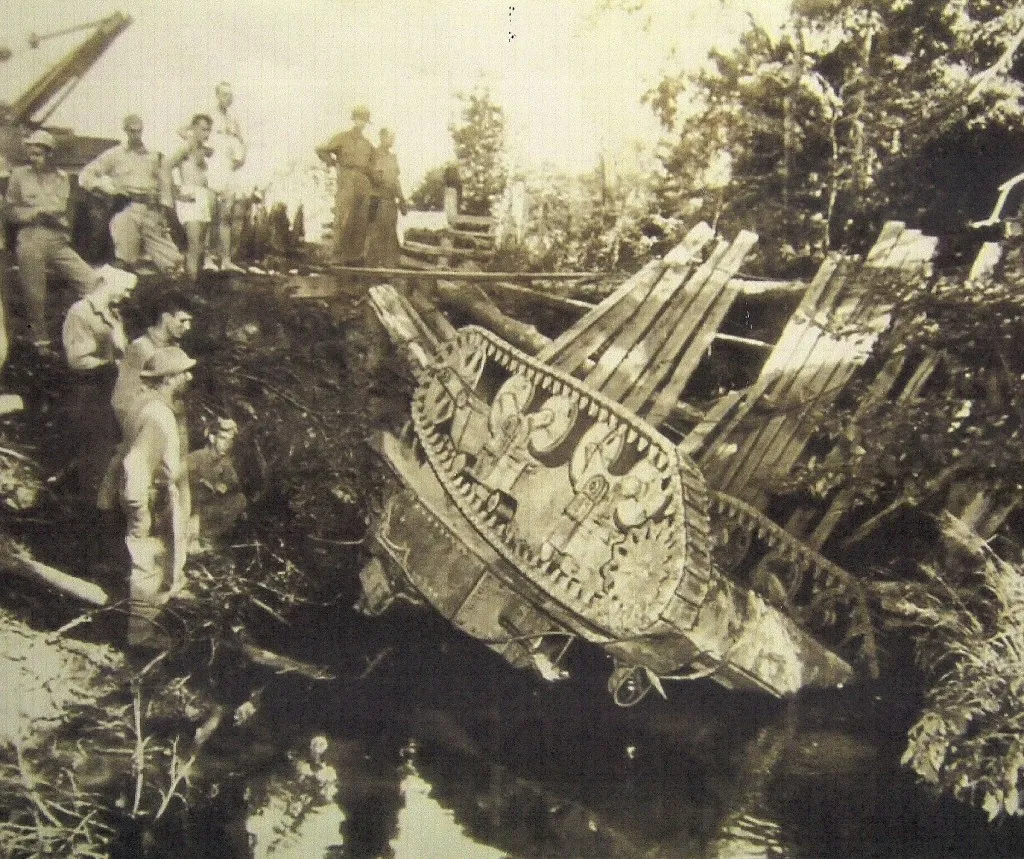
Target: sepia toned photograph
556	429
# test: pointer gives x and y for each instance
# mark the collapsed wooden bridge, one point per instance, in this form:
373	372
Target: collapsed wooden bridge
646	347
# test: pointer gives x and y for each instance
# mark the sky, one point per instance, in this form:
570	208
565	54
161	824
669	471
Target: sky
568	77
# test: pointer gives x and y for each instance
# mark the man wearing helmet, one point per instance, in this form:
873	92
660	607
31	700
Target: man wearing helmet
37	204
351	153
154	493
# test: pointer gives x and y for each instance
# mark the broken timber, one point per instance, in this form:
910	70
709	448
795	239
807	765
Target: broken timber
641	347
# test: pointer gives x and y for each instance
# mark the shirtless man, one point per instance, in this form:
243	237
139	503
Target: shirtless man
194	199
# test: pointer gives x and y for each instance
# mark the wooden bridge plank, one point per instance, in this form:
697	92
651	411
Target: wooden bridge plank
880	389
795	341
631	368
840	355
572	348
837	356
686	348
574	345
807	364
621	346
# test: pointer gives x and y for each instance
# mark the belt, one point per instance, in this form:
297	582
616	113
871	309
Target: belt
147	198
95	375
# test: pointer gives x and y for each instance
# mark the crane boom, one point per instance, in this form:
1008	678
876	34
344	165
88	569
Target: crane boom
36	104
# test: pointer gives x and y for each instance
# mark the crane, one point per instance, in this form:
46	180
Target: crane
38	103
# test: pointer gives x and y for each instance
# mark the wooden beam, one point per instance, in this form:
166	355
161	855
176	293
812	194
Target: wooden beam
562	303
439	251
743	341
762	287
450	274
20	562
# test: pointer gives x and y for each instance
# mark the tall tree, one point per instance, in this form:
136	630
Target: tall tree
843	119
479	139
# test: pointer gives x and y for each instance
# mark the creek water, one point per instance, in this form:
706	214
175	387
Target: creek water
436	748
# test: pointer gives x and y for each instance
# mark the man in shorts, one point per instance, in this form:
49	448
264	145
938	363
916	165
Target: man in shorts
193	199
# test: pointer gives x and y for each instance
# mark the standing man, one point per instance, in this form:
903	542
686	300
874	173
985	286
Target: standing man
8	402
351	153
133	172
387	200
229	151
94	341
195	201
154	494
37	203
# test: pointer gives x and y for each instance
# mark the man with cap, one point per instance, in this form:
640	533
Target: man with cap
133	172
352	153
155	494
37	204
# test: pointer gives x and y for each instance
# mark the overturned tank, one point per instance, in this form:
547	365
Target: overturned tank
535	511
538	500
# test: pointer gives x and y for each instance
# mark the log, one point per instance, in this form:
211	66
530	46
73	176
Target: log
18	561
471	300
284	664
454	274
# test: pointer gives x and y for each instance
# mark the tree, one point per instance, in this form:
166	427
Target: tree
479	140
298	233
429	194
848	117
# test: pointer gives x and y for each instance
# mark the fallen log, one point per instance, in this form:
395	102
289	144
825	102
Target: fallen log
16	559
283	664
471	300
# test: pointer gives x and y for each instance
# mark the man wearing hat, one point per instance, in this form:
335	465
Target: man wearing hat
352	154
37	204
136	173
155	494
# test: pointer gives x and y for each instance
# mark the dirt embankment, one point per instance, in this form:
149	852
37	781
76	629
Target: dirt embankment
94	743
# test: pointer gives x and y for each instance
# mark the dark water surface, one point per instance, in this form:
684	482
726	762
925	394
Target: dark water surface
442	750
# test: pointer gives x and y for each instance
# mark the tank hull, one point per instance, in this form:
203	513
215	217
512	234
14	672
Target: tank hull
531	511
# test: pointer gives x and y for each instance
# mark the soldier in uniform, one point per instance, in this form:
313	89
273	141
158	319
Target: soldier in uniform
154	491
37	203
351	153
135	174
382	240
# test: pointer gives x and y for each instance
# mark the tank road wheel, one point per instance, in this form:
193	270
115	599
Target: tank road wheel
512	400
500	504
629	685
596	452
552	424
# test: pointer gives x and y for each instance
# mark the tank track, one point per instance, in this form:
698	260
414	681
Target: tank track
677	541
830	584
668	539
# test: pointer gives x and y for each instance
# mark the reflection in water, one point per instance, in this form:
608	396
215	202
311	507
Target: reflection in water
427	830
443	751
746	836
297	818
